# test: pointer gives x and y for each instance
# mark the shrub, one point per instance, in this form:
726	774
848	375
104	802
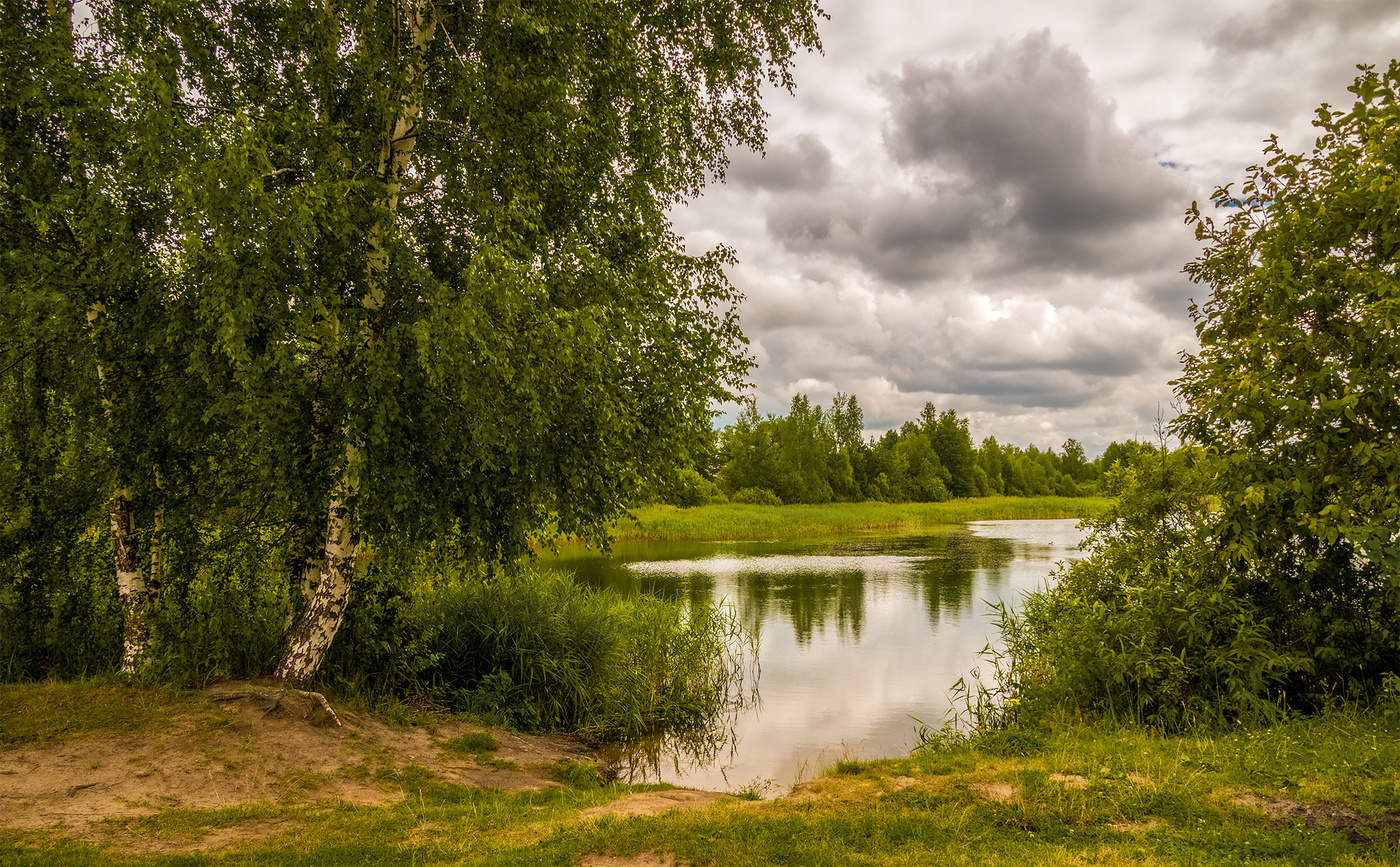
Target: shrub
692	489
1150	627
756	497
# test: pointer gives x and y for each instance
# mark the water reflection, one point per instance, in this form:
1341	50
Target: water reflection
814	587
855	637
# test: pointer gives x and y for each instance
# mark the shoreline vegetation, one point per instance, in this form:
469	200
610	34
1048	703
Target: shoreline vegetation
724	522
434	788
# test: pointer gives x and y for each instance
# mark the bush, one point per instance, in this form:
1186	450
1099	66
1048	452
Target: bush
756	497
692	489
1150	627
1293	391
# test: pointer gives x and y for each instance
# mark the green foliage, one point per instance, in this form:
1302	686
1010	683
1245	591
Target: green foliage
59	617
1292	392
691	489
539	651
1150	627
816	456
1256	570
413	252
755	497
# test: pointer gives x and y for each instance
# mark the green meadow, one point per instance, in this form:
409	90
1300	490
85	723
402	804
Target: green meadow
739	521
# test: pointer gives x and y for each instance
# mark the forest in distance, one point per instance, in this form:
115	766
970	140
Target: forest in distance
812	455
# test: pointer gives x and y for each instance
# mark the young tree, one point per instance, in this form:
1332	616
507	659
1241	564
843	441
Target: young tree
1294	388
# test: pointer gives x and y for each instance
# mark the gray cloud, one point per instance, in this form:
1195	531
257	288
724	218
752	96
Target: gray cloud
803	163
1287	21
1009	164
962	214
1025	124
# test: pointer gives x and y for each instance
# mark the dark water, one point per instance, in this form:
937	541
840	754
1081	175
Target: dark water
857	638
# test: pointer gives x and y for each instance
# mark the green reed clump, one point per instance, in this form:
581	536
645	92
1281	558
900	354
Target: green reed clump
532	648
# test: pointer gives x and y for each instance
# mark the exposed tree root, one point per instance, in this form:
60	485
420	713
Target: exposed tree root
275	695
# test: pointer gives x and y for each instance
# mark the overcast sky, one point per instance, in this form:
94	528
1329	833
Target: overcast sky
980	204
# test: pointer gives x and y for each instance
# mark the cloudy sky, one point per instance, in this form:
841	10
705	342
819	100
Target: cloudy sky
980	204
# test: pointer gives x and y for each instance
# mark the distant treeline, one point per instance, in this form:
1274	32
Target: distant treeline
812	455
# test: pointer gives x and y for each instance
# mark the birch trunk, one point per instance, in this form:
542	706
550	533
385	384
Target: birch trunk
320	620
316	628
132	590
131	585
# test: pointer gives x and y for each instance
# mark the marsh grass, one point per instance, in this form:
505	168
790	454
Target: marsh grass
535	650
739	521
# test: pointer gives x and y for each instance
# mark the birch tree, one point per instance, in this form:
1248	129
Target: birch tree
430	240
84	207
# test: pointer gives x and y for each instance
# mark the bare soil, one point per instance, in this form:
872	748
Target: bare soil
653	803
1357	826
249	743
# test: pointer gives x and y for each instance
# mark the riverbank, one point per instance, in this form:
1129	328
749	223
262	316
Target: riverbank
105	774
722	522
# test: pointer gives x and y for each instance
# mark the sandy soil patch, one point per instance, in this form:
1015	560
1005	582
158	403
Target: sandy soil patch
652	803
646	859
994	791
242	748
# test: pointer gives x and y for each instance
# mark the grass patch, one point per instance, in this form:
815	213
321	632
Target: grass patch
472	743
576	775
737	521
37	713
479	746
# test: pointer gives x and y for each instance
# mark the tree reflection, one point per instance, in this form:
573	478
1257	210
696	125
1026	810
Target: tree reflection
955	563
810	601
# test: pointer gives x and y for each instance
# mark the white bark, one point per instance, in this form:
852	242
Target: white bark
319	622
131	585
132	590
317	627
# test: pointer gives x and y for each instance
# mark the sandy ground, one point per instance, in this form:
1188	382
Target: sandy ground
245	746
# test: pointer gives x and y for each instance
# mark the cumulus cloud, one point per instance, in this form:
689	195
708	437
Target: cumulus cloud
1024	123
1009	163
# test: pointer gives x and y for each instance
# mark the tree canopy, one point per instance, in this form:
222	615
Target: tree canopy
400	271
813	455
1257	569
1293	392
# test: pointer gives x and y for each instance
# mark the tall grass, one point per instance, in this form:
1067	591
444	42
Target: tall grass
534	648
735	521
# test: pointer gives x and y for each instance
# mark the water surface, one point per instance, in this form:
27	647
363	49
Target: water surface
857	638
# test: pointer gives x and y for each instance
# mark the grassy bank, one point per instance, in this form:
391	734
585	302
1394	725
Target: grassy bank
1323	790
736	521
